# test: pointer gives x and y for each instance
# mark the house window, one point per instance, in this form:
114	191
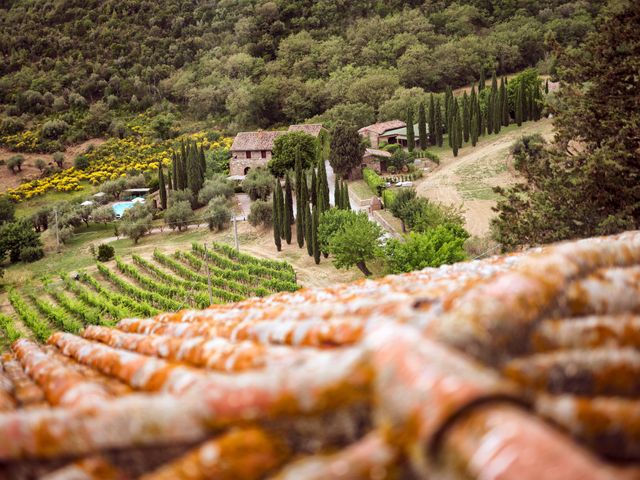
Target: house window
263	154
248	154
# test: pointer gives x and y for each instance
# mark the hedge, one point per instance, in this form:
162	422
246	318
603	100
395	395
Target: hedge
375	181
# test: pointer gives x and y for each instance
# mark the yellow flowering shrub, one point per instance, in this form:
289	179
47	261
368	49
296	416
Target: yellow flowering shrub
113	159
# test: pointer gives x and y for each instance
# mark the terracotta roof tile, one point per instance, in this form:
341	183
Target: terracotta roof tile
514	367
382	127
255	140
310	128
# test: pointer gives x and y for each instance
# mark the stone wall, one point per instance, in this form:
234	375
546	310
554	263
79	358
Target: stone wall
238	163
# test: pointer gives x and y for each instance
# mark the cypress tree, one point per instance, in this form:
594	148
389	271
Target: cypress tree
453	135
519	104
504	103
282	211
479	115
346	203
174	169
531	103
537	104
308	229
323	186
458	124
474	129
483	122
288	200
546	87
483	80
314	236
203	162
276	216
299	203
422	127
497	111
448	100
314	187
438	124
466	117
411	138
490	113
337	197
162	188
195	177
432	121
169	180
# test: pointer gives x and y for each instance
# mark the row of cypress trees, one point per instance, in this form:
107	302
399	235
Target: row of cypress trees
465	119
311	201
188	168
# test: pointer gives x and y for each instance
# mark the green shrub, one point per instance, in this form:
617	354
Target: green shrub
31	254
388	197
81	162
54	129
261	213
105	252
10	125
375	181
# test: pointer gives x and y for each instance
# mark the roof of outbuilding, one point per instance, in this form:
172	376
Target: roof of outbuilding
311	128
382	127
377	153
262	140
512	367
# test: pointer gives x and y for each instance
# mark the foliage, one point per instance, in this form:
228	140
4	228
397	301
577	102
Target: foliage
346	148
586	185
331	222
31	254
218	213
7	209
258	183
261	213
287	147
217	186
16	236
178	215
81	162
103	214
373	180
437	246
355	243
14	163
136	222
105	252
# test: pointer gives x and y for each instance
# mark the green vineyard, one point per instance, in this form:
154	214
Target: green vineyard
141	287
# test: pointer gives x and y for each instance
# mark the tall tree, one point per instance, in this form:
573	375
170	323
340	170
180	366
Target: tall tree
490	112
346	149
346	203
466	117
162	188
474	129
483	80
591	190
299	202
504	103
277	235
308	229
520	104
169	180
195	176
174	169
323	187
422	127
288	209
546	86
314	187
314	236
337	196
411	137
433	139
438	124
203	162
448	100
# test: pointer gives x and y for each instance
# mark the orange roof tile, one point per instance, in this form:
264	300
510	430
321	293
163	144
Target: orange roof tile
515	367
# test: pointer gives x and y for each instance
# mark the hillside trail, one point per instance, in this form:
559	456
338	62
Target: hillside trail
466	179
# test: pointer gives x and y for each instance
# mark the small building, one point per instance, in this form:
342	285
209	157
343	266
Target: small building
132	193
376	132
375	159
253	149
399	136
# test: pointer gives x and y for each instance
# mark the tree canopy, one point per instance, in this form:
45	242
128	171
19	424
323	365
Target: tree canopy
587	182
346	148
287	147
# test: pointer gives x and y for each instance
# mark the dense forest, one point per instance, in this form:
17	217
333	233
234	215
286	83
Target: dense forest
75	67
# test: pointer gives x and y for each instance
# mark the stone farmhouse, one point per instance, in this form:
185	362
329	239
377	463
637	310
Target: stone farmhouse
253	149
378	132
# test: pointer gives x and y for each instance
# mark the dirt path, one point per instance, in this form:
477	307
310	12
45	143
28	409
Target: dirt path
467	180
29	170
